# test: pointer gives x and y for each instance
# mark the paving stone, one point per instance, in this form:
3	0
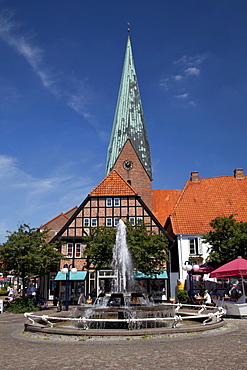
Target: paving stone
224	348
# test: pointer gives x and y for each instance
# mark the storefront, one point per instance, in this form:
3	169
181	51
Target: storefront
77	285
156	285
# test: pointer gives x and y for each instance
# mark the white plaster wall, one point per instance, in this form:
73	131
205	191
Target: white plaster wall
184	251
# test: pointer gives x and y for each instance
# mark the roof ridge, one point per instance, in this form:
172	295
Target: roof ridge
180	195
54	218
75	207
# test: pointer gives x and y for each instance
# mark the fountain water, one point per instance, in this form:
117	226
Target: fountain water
122	261
116	309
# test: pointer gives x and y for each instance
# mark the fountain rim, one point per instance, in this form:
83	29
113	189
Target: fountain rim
212	320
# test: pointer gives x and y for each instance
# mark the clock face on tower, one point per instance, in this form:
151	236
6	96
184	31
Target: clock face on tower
128	164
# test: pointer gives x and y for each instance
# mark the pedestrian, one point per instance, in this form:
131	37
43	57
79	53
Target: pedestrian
207	297
10	291
31	290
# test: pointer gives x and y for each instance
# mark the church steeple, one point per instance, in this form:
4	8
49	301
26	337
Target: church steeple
129	121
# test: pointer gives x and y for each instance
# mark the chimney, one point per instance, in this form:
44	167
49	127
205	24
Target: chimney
239	173
194	177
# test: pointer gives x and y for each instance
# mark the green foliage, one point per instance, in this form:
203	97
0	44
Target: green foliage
26	253
228	240
3	291
147	248
99	245
182	295
23	304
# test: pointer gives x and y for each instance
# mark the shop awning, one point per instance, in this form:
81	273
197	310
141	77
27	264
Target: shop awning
157	275
79	275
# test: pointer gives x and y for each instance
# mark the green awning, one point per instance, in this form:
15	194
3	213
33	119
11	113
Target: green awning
79	275
162	274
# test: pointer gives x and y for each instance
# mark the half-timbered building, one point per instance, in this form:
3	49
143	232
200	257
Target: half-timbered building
125	193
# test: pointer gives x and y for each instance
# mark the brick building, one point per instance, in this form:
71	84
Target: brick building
126	193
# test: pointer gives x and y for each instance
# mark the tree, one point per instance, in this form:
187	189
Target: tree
148	249
26	253
228	241
99	246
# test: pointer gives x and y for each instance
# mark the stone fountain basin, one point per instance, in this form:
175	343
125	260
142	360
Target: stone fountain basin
51	324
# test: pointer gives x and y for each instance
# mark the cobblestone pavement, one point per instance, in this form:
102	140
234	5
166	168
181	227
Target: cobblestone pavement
224	348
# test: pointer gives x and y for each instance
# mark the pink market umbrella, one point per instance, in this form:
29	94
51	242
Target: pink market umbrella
231	269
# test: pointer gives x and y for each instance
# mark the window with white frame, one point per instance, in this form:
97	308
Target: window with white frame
108	202
69	252
139	220
78	250
195	246
116	202
132	220
108	222
94	222
116	221
86	222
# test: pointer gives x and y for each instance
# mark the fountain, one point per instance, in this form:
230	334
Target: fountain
122	261
123	308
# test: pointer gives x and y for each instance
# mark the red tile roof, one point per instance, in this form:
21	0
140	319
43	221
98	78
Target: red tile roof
57	223
71	212
60	219
163	202
202	201
113	184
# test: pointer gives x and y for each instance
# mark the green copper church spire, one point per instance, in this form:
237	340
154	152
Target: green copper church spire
129	119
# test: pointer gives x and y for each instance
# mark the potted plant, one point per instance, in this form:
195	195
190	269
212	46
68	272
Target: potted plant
183	296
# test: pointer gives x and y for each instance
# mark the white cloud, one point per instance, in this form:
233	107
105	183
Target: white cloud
76	93
192	60
192	71
8	167
18	179
191	103
182	96
178	77
26	198
24	47
179	84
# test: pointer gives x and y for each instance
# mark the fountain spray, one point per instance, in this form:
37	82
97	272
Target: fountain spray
122	261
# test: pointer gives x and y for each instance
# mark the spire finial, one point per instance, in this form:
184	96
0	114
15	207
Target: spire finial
128	29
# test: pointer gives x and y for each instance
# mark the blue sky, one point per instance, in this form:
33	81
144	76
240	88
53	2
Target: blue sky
60	69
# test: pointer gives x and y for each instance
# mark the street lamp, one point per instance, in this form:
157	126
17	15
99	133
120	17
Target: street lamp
66	270
190	266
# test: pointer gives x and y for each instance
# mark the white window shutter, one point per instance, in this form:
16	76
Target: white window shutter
199	246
